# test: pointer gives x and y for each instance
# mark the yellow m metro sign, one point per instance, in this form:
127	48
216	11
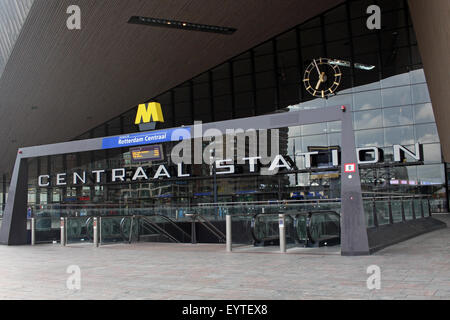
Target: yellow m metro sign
149	112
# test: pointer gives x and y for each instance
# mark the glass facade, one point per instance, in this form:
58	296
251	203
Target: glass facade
390	105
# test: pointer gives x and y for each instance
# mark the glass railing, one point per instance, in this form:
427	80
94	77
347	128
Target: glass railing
396	207
115	221
79	229
313	228
382	211
324	226
109	230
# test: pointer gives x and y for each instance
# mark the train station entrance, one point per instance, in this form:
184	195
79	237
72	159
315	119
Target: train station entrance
179	185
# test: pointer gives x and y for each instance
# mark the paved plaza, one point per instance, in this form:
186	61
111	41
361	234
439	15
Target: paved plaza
416	269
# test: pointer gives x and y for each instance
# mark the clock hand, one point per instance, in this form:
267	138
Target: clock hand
321	79
318	84
317	67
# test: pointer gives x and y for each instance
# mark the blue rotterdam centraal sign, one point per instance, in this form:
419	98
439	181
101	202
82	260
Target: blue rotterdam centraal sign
137	139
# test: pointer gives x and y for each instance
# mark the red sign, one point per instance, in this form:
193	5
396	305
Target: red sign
349	167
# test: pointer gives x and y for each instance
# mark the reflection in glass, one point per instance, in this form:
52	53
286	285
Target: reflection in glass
398	135
423	113
367	100
398	116
316	128
420	93
369	138
396	96
368	119
426	133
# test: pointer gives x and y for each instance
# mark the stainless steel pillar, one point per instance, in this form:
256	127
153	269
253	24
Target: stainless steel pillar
281	223
228	231
95	232
33	231
63	231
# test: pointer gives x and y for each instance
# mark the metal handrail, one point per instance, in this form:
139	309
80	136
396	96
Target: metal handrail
208	225
159	229
171	222
152	225
275	202
253	224
308	231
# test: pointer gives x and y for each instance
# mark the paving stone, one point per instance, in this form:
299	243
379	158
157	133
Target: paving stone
415	269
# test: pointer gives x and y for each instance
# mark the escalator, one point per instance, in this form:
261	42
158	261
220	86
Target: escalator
152	228
211	228
310	229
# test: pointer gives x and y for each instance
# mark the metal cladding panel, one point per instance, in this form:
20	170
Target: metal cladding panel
12	17
432	27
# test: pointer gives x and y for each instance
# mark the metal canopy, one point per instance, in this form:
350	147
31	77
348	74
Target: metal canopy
354	240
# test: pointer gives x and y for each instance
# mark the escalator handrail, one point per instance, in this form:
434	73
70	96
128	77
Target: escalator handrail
171	222
150	226
87	222
212	228
156	227
309	214
255	238
161	230
308	225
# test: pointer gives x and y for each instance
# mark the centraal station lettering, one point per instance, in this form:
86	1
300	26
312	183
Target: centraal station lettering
225	166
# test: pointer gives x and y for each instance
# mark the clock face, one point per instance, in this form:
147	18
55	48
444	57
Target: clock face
322	78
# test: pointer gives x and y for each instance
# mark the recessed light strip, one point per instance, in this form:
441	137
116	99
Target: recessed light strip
157	22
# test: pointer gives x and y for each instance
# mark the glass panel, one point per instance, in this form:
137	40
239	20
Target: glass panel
367	100
418	208
423	113
368	119
417	76
398	135
426	208
407	205
368	210
382	210
396	96
79	229
111	230
426	133
432	153
369	138
397	116
396	207
317	128
420	93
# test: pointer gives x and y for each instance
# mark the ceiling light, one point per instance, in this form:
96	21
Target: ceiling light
158	22
344	63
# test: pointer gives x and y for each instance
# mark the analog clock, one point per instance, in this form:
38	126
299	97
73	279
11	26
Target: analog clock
322	78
